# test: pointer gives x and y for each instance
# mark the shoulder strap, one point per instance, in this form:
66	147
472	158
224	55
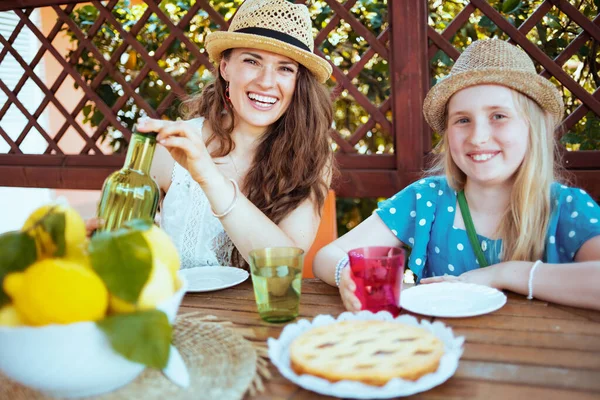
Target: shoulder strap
466	214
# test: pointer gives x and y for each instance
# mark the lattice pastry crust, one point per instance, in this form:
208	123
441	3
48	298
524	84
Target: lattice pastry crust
372	352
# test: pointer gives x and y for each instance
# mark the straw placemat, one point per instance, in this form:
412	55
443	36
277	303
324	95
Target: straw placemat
221	363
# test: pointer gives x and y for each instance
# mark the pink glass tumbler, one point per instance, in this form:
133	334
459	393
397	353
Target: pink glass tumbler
378	274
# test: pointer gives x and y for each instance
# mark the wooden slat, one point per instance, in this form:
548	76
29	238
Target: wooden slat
496	364
158	54
442	41
49	95
76	77
533	356
359	28
539	55
410	83
561	378
581	20
6	5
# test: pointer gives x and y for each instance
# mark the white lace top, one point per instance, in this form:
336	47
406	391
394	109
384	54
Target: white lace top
187	218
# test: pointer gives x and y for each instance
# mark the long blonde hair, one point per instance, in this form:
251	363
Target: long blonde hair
525	222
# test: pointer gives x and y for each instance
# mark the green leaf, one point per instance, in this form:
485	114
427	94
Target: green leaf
54	224
487	24
87	110
541	33
143	336
18	252
97	118
123	260
510	6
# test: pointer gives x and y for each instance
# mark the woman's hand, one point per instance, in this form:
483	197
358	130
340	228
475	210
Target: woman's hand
92	224
482	276
347	288
184	142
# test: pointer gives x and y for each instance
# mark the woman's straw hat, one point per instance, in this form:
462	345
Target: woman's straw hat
492	61
277	26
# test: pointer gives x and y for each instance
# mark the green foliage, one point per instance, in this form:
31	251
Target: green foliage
18	252
552	35
123	260
344	46
143	336
129	64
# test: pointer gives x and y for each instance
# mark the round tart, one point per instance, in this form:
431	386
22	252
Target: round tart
372	352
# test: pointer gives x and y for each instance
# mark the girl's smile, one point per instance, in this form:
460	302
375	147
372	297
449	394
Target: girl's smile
487	135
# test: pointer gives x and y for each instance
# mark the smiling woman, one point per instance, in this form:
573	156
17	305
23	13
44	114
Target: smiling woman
250	165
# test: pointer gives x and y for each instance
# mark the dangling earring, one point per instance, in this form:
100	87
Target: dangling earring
227	95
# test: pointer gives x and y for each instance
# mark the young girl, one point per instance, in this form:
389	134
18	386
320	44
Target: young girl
538	237
252	166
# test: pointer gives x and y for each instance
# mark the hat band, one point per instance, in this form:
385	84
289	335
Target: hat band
284	37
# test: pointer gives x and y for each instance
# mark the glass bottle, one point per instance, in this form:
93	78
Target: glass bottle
130	192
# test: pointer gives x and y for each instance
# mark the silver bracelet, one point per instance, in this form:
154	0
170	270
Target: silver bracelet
530	284
341	264
236	190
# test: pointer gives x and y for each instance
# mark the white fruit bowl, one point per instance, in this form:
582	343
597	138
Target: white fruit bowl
74	360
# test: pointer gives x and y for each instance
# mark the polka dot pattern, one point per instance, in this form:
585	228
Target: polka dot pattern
421	216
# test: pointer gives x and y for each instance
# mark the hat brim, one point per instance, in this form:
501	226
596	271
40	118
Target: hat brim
538	88
217	42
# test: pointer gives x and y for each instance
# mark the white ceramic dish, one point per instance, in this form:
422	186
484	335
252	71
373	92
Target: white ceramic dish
207	279
452	299
279	354
74	360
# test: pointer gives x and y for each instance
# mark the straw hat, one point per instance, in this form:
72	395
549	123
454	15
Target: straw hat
271	25
492	61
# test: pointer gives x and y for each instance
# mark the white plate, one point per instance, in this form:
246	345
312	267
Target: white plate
279	353
452	299
206	279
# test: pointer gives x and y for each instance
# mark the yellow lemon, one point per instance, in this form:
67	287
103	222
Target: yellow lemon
9	316
74	230
59	291
163	250
159	287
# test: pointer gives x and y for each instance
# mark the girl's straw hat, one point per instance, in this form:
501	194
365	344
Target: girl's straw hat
277	26
492	61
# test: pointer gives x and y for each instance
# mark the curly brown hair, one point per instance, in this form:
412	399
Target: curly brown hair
293	153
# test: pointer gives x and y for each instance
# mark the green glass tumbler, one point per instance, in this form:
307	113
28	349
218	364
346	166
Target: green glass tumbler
277	278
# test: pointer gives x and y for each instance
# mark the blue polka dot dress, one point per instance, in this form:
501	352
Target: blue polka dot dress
422	217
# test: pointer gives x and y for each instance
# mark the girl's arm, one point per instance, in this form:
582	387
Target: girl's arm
371	232
574	284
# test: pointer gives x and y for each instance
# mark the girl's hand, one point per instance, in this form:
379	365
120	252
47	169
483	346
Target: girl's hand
92	224
184	142
482	276
347	288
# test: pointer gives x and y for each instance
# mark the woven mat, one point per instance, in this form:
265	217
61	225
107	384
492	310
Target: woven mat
222	365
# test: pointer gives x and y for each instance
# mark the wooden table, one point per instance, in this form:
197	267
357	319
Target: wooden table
526	350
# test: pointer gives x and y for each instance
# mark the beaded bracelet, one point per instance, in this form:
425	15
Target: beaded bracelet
236	190
341	264
530	284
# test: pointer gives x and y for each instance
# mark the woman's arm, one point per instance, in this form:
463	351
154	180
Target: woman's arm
162	168
250	229
574	284
246	225
371	232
